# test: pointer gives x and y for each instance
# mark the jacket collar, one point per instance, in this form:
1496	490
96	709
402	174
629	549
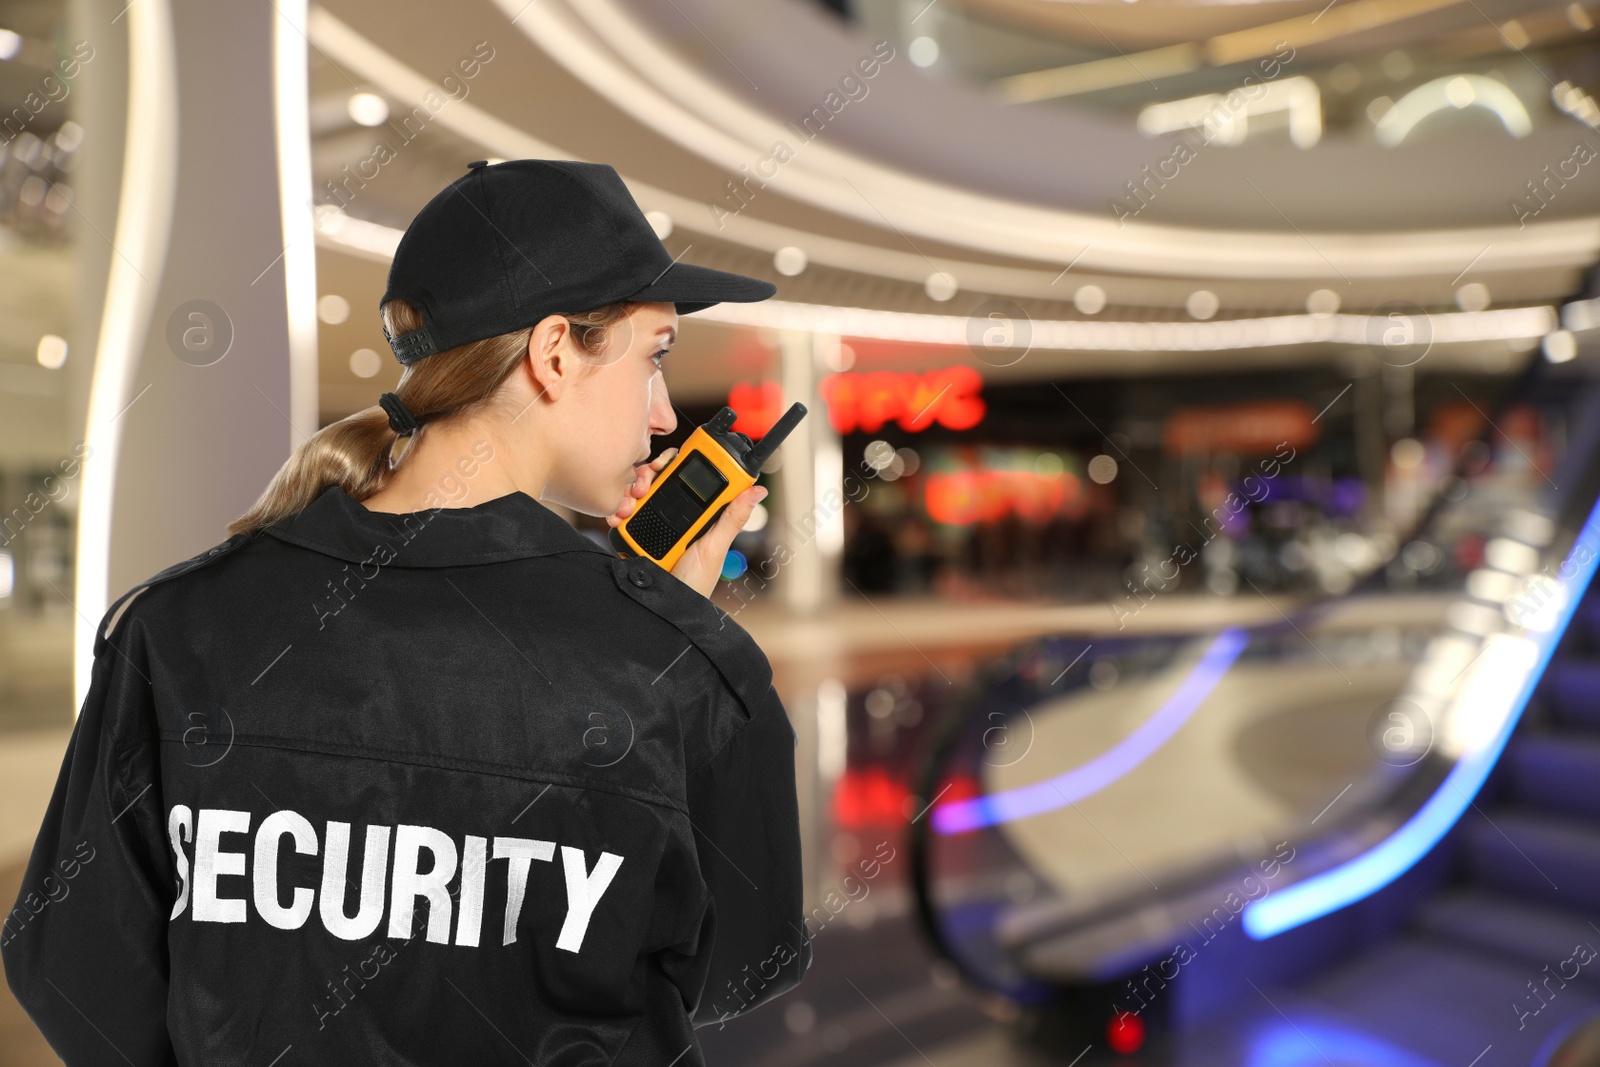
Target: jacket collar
514	526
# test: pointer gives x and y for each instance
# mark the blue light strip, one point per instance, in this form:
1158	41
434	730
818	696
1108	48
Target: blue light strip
1356	879
1304	1040
959	816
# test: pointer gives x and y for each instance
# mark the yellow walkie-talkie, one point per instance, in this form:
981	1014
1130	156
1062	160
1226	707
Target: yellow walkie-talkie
712	467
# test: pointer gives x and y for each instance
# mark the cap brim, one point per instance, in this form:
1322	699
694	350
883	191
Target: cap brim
694	288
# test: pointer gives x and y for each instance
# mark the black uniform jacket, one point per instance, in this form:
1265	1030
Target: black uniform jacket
459	786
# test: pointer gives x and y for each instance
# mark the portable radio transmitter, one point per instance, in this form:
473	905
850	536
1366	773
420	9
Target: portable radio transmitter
712	467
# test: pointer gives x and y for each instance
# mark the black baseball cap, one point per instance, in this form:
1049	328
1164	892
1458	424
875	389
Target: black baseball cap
507	244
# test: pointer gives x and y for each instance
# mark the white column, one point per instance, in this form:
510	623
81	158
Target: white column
810	488
199	387
810	524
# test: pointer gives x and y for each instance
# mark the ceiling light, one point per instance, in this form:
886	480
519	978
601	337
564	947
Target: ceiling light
924	51
1100	336
365	363
369	109
940	286
1474	296
52	351
1452	91
789	260
660	222
1202	304
358	235
1407	453
1089	299
1560	346
1515	36
10	43
1575	102
69	137
333	309
1222	120
1322	302
839	357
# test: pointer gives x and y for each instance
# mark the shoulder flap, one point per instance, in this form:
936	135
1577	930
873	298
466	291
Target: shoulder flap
734	653
184	567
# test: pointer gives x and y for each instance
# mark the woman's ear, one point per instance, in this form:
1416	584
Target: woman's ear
549	363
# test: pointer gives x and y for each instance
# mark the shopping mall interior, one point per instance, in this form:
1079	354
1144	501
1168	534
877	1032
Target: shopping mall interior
1176	370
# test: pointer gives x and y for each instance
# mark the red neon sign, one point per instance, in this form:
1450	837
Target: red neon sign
865	402
757	405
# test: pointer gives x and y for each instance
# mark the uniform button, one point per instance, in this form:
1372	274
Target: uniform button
639	577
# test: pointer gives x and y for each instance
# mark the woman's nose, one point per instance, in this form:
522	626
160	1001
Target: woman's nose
663	417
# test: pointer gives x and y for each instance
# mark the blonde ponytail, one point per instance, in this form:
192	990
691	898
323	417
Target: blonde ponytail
355	452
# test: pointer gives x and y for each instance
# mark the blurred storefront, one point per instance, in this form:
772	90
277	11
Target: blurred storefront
1218	484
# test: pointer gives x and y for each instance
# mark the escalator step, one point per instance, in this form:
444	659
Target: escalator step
1538	935
1442	1000
1544	857
1571	689
1557	771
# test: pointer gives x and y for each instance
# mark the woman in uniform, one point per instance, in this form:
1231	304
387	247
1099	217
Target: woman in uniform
408	770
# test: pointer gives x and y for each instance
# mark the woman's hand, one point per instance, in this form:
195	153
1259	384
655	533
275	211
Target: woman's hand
700	566
643	476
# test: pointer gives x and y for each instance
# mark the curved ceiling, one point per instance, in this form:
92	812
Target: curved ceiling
917	173
1077	158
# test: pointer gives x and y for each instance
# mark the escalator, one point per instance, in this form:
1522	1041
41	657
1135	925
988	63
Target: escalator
1365	834
1497	960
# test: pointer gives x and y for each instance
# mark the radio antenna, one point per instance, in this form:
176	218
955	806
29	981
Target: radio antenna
763	450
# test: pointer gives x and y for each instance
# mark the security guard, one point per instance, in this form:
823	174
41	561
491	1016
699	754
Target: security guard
408	770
